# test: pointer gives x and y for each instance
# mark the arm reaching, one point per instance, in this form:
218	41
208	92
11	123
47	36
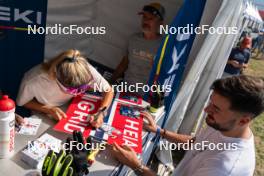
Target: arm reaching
169	135
54	111
127	156
107	100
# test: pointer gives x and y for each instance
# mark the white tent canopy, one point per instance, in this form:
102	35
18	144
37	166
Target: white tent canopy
251	13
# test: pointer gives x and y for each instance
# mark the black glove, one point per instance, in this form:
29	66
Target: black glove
80	163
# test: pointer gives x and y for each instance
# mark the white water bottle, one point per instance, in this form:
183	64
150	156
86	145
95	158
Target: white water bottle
7	127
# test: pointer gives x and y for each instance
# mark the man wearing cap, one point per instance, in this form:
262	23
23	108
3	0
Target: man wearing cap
142	47
238	59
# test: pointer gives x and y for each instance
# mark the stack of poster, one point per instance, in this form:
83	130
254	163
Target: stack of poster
122	124
29	127
35	151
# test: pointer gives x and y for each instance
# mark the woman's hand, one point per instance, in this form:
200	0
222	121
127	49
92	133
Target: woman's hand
53	111
19	119
97	120
56	113
151	125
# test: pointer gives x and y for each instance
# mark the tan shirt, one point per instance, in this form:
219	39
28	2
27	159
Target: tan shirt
37	84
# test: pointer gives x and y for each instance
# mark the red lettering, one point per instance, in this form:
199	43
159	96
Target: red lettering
11	140
130	133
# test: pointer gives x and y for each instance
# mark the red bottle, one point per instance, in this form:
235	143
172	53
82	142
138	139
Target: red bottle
7	127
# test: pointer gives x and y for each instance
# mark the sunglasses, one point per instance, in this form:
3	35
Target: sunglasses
74	90
153	11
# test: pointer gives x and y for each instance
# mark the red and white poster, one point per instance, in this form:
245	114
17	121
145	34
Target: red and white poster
122	125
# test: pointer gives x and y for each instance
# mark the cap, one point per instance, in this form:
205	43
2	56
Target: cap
6	104
246	42
154	8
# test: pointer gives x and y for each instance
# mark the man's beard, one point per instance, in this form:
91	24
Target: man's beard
229	126
146	30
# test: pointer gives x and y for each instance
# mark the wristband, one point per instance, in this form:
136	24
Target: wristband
103	110
139	170
158	131
164	134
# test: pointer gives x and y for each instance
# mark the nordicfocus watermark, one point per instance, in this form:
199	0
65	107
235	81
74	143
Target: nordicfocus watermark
204	145
87	146
138	87
203	29
72	145
59	29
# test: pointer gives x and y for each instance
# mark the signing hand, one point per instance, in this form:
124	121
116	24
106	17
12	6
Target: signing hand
151	125
126	155
97	120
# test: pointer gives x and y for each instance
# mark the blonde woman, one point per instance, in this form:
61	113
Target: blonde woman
47	86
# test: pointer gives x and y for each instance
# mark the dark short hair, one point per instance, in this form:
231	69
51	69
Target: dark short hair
246	93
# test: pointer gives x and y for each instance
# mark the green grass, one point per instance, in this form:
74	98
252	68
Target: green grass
256	68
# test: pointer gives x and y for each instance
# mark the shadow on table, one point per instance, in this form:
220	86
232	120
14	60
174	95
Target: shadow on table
17	159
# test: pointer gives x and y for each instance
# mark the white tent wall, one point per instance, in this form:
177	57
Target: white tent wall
212	8
207	66
214	69
119	17
205	51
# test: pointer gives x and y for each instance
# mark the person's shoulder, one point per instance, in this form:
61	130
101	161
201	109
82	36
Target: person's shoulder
247	50
95	74
236	49
136	36
35	73
91	68
222	161
231	161
207	130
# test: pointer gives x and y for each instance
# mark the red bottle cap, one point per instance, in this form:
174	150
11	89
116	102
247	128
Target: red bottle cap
6	104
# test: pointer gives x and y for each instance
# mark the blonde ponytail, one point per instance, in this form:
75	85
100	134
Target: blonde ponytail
70	68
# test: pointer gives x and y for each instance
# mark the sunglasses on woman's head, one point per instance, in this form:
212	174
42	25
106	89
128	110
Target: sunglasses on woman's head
74	90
